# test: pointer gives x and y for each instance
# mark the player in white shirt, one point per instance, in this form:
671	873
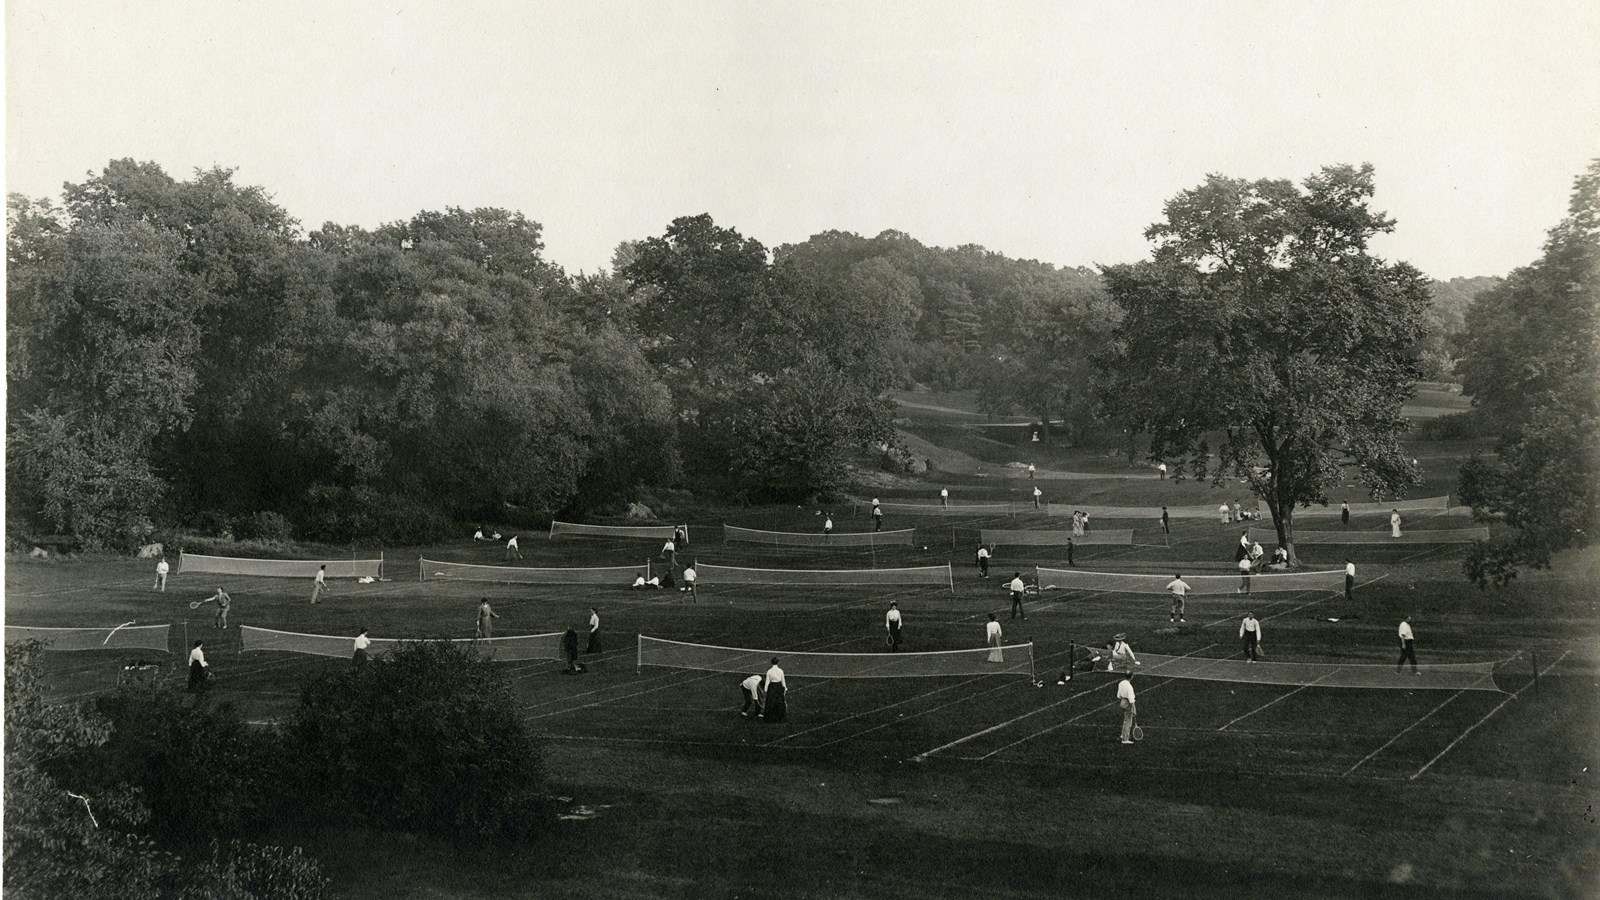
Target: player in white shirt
751	688
993	636
1394	523
1125	699
199	669
1408	647
362	642
512	550
1030	471
1017	589
688	583
1036	495
891	623
319	584
594	631
944	497
1222	513
669	551
1163	470
1250	633
774	688
983	561
877	515
1122	658
827	524
161	575
1177	587
1244	576
1349	579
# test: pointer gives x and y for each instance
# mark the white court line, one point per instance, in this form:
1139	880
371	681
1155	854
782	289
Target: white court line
1473	727
1403	731
1270	702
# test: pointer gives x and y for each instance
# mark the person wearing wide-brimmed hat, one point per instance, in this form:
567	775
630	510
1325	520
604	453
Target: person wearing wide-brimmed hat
1122	658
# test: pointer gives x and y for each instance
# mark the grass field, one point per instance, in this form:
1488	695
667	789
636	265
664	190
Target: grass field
973	786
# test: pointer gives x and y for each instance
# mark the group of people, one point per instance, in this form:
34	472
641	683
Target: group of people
1080	523
766	694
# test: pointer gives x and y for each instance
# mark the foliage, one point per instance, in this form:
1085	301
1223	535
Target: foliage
425	738
1531	360
1262	317
265	525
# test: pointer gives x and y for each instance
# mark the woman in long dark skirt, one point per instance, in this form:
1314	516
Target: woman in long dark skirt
777	707
199	670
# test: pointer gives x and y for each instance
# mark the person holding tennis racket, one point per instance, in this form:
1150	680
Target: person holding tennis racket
224	602
1125	698
891	622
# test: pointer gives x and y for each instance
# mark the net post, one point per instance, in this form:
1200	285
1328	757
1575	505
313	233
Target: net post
552	535
380	562
1033	672
638	661
1072	658
950	574
1535	655
422	571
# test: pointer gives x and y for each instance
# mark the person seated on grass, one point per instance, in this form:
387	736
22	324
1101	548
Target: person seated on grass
478	535
1280	559
639	581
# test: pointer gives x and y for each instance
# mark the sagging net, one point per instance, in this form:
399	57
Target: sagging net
1434	504
192	563
501	649
1441	536
712	575
934	508
1016	538
111	637
1015	659
1134	512
816	539
621	576
1440	677
658	532
1199	585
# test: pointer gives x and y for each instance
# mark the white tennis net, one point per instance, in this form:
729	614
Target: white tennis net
711	575
112	637
934	508
621	576
1443	536
1016	538
658	532
502	649
1134	512
194	563
1199	585
817	539
1438	504
1441	677
1015	659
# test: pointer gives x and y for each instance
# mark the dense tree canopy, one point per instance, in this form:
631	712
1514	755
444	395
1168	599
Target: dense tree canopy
1530	358
1264	320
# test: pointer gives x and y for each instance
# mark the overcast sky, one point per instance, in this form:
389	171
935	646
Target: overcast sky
1050	130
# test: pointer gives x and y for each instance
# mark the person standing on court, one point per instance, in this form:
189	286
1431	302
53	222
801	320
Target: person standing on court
827	524
569	647
594	631
669	552
362	642
1408	646
224	602
1030	471
983	561
1166	521
688	583
680	537
751	689
1349	579
1243	549
877	515
1250	633
161	575
1162	468
1125	699
992	636
1178	588
1222	513
1086	521
1036	495
319	584
1244	577
512	550
1017	590
777	709
1394	523
891	621
1070	563
486	617
944	497
1344	513
199	669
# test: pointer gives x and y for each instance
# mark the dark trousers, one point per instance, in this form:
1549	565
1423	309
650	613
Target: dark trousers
894	637
1250	644
749	700
1166	526
1349	586
1344	517
983	566
1069	557
1408	650
877	523
594	642
1016	605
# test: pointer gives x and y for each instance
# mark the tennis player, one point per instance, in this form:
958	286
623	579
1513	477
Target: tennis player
1244	577
223	602
891	622
1250	633
1122	658
1017	590
992	636
1126	700
1349	579
1408	646
669	552
362	642
1394	523
944	497
1344	513
512	550
486	617
983	561
751	688
1036	495
594	631
199	669
688	582
827	524
1166	521
161	575
1177	587
319	584
877	515
569	646
773	689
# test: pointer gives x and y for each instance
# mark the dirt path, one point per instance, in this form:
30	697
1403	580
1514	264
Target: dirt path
947	460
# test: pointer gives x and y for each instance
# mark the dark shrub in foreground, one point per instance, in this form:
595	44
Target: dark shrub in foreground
425	738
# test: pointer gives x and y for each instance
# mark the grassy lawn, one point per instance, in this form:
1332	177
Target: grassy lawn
1293	791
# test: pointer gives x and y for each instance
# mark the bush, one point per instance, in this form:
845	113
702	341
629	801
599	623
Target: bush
1461	426
212	522
427	739
265	525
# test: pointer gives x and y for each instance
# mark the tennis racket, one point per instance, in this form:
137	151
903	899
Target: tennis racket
1138	733
888	640
195	604
1260	653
